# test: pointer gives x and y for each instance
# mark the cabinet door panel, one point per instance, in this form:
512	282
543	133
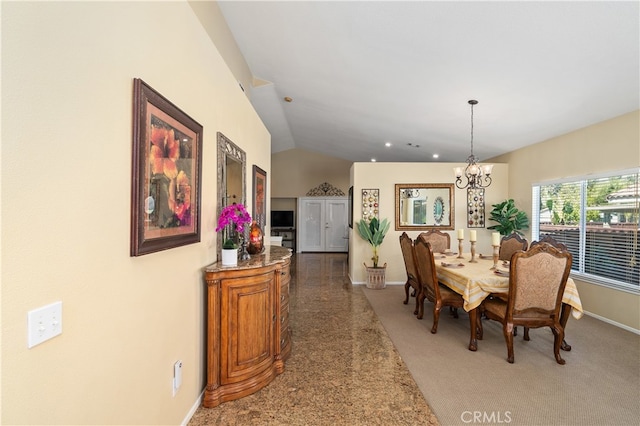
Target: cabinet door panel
246	327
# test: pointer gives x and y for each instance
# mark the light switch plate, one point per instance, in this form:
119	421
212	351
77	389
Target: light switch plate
44	323
177	376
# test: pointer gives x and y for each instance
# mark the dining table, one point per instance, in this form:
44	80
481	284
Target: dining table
476	281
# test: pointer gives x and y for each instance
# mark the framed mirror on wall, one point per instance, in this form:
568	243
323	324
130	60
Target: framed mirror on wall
424	206
232	181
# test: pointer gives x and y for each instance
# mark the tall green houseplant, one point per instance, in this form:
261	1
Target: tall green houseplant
509	218
373	232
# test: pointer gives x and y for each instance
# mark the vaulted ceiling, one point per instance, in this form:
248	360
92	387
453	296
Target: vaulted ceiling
364	73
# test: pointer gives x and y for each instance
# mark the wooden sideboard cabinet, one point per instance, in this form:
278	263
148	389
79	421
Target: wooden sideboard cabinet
248	332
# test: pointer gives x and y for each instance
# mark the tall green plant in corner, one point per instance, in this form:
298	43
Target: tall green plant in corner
509	218
373	232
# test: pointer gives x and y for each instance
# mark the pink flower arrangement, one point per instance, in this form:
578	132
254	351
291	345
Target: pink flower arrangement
236	215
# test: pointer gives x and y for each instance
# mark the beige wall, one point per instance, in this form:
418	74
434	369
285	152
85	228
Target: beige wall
604	147
67	70
296	171
384	176
209	14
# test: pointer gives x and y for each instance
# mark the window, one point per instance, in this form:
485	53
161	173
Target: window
598	219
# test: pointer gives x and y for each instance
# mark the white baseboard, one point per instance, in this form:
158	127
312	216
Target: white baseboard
608	321
193	410
387	283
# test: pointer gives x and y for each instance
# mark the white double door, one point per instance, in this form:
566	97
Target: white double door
322	224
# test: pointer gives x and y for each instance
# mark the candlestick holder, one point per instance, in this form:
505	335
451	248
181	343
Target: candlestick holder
496	250
473	252
460	240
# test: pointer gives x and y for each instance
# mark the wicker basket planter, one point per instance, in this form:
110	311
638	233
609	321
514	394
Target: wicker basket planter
376	276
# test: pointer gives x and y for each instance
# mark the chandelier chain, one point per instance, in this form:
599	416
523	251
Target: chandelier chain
472	156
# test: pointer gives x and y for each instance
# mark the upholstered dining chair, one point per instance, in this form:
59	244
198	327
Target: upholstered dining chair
537	279
406	245
549	240
510	244
430	288
440	241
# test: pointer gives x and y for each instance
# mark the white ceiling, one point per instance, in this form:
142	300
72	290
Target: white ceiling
363	73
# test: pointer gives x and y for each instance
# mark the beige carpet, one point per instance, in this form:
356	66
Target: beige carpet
599	384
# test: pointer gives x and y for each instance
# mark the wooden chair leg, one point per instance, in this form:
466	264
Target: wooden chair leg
508	337
406	292
479	328
419	311
558	337
526	334
436	317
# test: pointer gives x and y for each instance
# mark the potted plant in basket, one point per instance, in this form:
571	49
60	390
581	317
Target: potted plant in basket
232	221
509	218
373	232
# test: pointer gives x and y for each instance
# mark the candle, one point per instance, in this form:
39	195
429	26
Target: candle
461	234
472	235
495	239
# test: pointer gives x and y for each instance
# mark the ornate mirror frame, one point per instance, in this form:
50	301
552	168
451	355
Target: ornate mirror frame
424	206
232	177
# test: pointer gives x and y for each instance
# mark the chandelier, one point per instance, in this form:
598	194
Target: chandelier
477	176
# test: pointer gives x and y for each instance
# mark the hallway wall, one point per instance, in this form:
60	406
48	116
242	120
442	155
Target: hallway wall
67	71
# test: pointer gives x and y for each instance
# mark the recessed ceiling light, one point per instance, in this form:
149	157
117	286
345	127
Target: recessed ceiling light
373	160
287	99
387	144
435	156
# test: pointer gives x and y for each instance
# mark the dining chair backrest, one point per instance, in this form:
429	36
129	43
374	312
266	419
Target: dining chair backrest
426	266
509	244
537	279
549	240
406	245
440	241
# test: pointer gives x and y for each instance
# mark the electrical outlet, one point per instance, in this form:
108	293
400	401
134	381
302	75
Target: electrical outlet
177	376
44	323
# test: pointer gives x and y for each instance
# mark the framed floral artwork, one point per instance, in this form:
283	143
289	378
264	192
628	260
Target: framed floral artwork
259	196
166	174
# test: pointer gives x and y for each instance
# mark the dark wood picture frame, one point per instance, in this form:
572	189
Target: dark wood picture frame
350	207
259	196
166	174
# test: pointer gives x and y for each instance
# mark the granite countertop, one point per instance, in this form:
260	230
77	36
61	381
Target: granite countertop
270	255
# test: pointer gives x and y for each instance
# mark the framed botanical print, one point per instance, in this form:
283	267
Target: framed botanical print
166	173
259	196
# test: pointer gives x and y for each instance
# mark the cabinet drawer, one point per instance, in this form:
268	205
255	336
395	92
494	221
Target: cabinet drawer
286	235
285	275
284	310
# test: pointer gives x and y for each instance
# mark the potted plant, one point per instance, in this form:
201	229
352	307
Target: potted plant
373	232
509	218
232	221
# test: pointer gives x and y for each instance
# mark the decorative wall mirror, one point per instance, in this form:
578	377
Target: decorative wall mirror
232	183
424	206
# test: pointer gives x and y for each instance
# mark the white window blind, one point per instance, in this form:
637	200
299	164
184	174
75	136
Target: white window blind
598	219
